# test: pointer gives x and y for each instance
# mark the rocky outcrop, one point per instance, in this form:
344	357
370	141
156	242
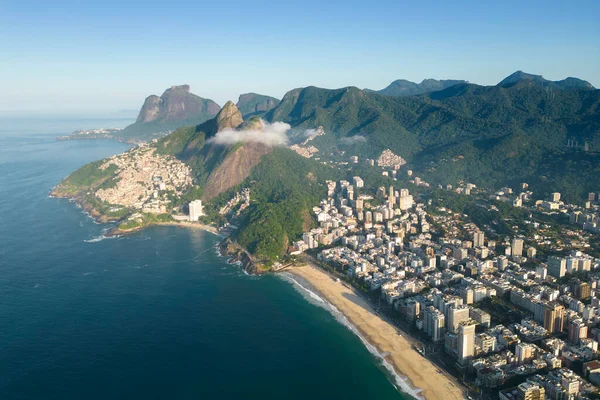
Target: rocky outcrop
236	254
229	117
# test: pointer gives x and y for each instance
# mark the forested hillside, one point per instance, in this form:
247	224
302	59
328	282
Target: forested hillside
488	135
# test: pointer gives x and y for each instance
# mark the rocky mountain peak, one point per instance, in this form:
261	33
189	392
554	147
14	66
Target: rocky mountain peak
177	104
229	117
179	88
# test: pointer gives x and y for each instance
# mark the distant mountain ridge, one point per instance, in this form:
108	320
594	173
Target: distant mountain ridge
570	82
496	135
402	87
251	104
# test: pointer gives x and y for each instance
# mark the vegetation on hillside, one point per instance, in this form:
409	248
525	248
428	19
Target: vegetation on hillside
284	189
85	178
490	136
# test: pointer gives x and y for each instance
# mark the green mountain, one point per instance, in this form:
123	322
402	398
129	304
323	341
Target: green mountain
251	104
519	76
176	107
217	167
402	87
283	186
487	135
490	136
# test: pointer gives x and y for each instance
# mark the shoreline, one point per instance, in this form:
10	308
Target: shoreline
415	371
410	370
182	224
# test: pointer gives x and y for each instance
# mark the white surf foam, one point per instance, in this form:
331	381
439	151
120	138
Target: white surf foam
101	238
399	381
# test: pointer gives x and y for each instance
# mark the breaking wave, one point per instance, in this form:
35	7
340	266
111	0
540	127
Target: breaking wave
399	381
101	237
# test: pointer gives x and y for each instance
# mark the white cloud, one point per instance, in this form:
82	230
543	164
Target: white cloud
271	135
353	139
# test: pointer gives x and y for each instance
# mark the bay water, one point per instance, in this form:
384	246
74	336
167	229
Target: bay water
158	314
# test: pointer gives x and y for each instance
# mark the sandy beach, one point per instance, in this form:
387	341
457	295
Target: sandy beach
194	225
421	373
180	224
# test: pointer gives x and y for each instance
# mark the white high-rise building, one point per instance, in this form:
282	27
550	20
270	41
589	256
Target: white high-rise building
196	210
434	323
478	238
456	315
466	340
541	272
406	202
572	265
524	352
557	266
517	248
358	182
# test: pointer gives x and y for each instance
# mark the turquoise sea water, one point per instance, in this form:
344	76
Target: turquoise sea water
154	315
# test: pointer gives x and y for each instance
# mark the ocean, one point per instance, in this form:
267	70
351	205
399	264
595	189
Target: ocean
158	314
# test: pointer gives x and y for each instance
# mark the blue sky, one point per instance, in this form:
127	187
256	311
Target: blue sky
71	55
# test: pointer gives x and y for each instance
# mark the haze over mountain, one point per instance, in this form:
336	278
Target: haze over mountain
251	104
519	76
402	87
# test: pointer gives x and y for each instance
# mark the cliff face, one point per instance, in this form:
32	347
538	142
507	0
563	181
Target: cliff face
150	110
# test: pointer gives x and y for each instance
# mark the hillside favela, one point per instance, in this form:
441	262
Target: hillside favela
337	236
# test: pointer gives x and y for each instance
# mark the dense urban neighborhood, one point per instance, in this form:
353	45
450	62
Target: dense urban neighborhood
487	304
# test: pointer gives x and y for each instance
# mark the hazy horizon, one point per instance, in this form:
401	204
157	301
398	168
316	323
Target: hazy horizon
80	56
133	110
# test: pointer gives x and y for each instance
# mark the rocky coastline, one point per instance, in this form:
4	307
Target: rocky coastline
227	247
236	254
86	206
